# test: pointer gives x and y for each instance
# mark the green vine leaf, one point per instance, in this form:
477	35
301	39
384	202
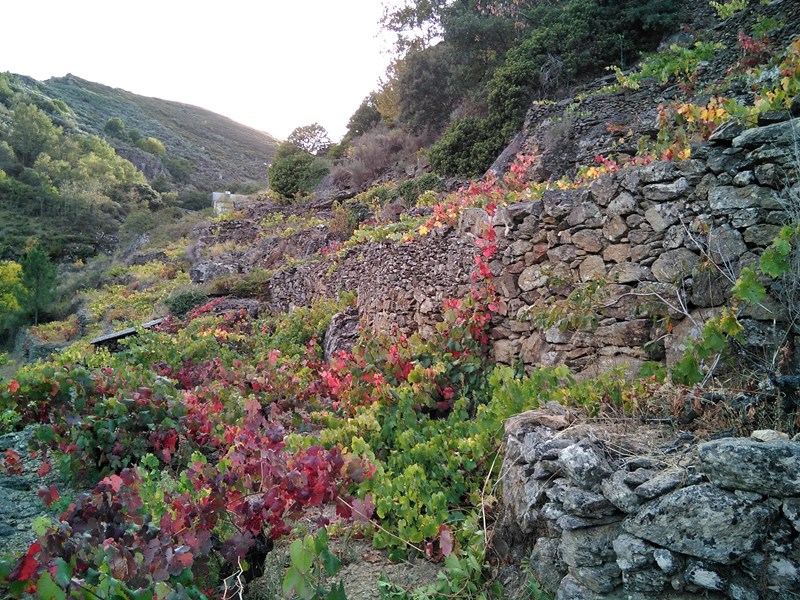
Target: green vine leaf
748	289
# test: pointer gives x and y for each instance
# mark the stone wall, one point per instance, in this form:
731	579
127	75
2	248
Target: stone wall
668	239
665	240
398	284
617	512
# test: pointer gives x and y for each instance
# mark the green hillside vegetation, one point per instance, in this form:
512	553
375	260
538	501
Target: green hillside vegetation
202	150
464	75
67	196
223	451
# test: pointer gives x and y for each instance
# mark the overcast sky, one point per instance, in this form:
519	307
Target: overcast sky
269	64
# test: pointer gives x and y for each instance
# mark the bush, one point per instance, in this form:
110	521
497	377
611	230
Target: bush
181	303
409	191
467	148
151	145
194	200
181	169
346	218
115	127
295	172
375	154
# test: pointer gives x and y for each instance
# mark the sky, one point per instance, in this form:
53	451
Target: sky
271	65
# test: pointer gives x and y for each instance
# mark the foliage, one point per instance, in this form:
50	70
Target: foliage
181	303
677	62
39	278
425	70
295	172
726	10
32	133
12	291
181	169
311	138
559	44
379	152
778	262
152	145
311	561
467	148
365	118
115	127
346	218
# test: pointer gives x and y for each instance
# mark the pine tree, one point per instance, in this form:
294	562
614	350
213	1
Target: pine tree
39	277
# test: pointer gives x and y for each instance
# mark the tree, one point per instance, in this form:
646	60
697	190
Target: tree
311	138
12	291
416	22
32	133
424	94
365	118
39	278
294	171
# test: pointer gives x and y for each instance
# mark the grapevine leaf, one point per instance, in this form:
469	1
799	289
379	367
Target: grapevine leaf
445	540
687	370
747	287
773	263
46	588
330	562
27	565
41	524
301	557
337	592
63	572
293	581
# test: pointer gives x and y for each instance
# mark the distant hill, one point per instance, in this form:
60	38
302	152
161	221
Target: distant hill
221	152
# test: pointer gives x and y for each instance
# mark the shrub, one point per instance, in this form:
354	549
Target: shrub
181	303
467	148
181	169
346	218
151	145
295	172
115	127
409	191
194	200
375	154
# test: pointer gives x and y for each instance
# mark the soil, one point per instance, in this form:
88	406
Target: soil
362	566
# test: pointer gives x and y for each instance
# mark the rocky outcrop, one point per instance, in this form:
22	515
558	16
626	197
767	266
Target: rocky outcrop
618	512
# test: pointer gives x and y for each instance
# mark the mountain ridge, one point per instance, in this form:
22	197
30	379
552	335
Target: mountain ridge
188	131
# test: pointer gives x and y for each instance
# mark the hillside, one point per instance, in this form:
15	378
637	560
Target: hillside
573	378
224	153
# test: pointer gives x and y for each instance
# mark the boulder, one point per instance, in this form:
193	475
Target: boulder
589	547
703	521
728	197
342	333
661	216
777	134
658	192
584	464
771	468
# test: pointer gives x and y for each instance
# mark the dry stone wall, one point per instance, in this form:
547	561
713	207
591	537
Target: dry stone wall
399	285
666	240
614	512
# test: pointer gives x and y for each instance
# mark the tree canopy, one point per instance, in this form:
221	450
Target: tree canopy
39	279
311	138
